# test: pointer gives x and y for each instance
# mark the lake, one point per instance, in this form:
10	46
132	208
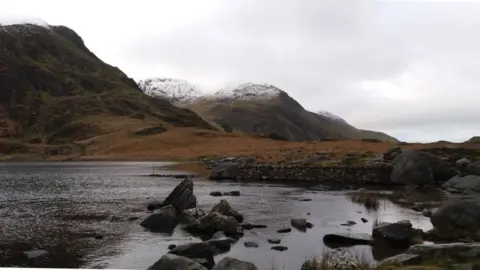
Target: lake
81	213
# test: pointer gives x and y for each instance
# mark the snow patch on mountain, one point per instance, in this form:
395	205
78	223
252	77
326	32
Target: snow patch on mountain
247	91
331	116
176	91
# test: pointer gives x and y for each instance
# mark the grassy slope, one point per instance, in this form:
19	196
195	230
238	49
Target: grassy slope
54	91
283	116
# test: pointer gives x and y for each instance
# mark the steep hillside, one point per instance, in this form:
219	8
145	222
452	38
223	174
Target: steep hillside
54	90
265	109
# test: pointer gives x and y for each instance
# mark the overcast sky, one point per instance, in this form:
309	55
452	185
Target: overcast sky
411	69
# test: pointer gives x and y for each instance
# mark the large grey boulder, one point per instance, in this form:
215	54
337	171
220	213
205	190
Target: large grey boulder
182	196
195	251
224	208
413	167
162	220
463	183
457	218
396	234
229	263
212	223
174	262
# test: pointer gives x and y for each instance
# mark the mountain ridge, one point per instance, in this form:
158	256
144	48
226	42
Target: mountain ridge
264	108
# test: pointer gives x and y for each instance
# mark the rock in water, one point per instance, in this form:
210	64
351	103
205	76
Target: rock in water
299	223
465	183
162	220
395	234
196	251
224	208
457	218
182	196
212	223
346	239
174	262
233	264
413	167
456	252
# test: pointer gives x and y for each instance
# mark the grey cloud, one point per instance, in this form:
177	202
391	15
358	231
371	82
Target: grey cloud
320	52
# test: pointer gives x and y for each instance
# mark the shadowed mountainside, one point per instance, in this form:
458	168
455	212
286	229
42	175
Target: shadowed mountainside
53	90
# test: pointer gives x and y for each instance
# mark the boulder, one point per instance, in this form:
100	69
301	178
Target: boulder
455	252
162	220
220	242
174	262
196	251
214	222
233	264
225	171
419	168
396	234
336	240
392	153
299	223
224	208
335	259
457	218
190	215
463	183
182	196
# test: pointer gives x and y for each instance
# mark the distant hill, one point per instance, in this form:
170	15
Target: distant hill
262	109
54	90
475	140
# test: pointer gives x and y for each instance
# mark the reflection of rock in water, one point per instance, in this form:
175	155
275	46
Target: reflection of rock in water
371	201
380	252
419	196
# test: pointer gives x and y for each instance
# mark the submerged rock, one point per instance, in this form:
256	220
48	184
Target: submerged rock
279	248
275	241
250	244
162	220
224	208
174	262
285	230
229	263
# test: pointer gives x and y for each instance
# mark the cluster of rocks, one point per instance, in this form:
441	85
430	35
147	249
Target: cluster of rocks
219	229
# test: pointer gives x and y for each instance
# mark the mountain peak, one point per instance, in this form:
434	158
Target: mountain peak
177	91
248	91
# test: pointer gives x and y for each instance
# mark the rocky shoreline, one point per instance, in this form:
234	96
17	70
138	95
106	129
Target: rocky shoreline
454	218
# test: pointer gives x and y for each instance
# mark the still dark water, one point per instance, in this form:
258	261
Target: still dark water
79	212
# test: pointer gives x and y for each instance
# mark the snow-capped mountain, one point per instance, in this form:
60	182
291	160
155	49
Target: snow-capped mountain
247	91
176	90
331	116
